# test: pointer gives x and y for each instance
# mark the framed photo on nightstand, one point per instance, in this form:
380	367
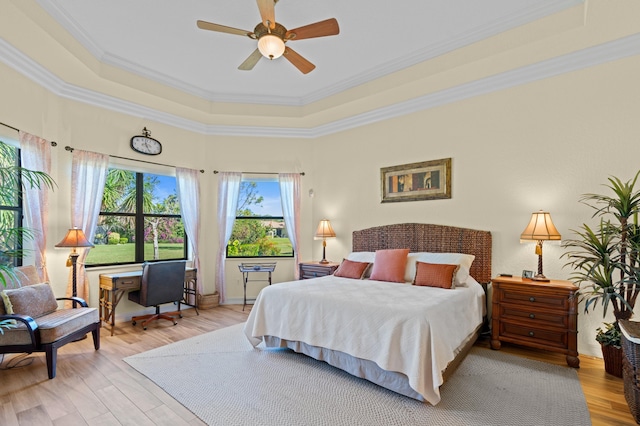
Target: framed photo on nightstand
527	274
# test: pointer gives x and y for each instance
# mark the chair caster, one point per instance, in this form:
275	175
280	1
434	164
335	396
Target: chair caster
144	328
180	315
175	323
133	323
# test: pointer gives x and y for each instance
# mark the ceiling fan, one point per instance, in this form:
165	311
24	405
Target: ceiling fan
272	37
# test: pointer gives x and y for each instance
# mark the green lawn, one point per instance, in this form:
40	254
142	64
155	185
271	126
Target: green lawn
121	253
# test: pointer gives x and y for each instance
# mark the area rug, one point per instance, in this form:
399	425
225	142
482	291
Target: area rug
223	380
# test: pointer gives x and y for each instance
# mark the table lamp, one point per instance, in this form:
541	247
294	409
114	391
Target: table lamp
323	232
540	228
75	238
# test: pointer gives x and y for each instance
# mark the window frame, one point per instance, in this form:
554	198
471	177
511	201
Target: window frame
18	208
270	218
139	217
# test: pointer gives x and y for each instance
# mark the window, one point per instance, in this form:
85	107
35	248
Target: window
259	229
139	220
10	209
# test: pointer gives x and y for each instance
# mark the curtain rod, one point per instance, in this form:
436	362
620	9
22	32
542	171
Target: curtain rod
53	143
70	149
215	172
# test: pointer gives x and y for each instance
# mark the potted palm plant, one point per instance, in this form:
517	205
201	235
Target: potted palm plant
605	262
13	179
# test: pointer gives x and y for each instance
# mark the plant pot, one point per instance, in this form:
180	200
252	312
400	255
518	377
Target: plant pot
612	360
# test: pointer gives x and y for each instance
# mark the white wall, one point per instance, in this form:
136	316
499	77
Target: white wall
535	146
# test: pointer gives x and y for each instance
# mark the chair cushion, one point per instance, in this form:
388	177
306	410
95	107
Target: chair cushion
65	321
15	336
34	300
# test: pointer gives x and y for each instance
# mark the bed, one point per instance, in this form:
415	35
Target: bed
403	337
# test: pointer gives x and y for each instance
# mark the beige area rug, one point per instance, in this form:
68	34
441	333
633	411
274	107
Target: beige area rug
223	380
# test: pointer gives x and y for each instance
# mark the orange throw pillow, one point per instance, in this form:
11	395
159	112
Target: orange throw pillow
388	265
351	269
435	275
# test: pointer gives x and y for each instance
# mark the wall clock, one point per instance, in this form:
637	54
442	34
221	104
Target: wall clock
145	144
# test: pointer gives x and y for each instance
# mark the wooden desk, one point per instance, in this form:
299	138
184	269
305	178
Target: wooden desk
114	286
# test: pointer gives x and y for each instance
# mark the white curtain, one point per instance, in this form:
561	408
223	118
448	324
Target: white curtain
290	197
188	186
88	176
228	192
35	154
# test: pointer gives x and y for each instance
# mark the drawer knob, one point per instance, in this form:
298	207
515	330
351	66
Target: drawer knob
531	333
532	299
532	316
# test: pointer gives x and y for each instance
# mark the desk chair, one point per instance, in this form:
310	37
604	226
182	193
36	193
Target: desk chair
162	282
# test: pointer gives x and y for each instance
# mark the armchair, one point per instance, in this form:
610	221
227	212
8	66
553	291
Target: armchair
162	282
40	326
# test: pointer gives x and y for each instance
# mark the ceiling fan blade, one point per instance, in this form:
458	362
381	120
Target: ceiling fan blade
324	28
251	61
204	25
298	61
267	12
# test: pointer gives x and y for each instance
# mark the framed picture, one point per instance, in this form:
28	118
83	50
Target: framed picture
527	274
427	180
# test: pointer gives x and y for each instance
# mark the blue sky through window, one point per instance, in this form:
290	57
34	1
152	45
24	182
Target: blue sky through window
271	205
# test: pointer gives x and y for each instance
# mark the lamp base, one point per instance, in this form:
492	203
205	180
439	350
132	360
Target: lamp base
541	278
324	261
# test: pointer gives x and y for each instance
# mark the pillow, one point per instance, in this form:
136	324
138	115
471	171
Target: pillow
435	275
389	265
464	260
350	269
6	308
363	256
33	300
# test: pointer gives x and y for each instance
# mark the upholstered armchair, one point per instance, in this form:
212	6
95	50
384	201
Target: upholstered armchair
39	325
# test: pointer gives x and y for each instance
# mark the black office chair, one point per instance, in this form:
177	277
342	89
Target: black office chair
162	282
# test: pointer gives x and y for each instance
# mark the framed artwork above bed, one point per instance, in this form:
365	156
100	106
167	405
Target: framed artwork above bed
427	180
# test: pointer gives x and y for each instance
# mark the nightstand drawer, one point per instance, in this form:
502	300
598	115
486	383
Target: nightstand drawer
556	301
520	332
535	316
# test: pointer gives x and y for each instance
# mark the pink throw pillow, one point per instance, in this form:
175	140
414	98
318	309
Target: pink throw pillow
389	265
435	275
351	269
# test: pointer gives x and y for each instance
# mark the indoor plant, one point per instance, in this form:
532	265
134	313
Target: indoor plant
12	178
605	261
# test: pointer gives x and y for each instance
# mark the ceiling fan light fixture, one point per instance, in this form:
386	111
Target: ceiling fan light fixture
271	46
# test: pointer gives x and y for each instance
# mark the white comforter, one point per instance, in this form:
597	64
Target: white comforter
408	329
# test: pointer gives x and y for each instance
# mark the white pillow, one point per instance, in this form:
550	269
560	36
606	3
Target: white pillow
464	260
362	256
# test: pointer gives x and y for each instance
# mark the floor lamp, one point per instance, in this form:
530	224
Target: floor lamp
75	238
540	228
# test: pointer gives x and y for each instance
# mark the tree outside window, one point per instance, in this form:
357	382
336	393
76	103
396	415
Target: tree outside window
259	229
139	220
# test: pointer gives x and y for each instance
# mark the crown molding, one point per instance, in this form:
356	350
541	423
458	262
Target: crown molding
611	51
524	16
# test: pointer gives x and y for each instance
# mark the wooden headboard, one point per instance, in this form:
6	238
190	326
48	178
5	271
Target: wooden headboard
421	237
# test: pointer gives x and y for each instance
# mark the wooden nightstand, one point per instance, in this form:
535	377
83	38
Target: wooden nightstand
537	314
316	269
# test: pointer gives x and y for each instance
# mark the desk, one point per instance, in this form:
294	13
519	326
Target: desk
247	268
114	286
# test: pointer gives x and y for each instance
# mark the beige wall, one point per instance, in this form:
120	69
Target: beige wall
535	146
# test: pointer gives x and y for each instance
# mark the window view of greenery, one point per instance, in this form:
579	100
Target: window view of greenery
259	229
139	220
10	210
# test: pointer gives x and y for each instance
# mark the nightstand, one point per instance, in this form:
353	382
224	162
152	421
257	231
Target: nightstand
536	314
316	269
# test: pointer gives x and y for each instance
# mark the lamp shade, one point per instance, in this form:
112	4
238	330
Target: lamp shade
540	228
271	46
324	230
74	238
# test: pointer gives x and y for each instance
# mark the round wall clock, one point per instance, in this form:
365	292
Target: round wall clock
145	144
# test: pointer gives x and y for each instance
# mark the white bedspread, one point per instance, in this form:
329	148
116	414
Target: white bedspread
408	329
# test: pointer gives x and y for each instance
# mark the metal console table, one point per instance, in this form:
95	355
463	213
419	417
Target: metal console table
248	268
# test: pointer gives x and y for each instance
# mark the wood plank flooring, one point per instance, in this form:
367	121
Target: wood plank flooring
98	388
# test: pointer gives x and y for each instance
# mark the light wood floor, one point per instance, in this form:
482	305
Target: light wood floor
98	388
